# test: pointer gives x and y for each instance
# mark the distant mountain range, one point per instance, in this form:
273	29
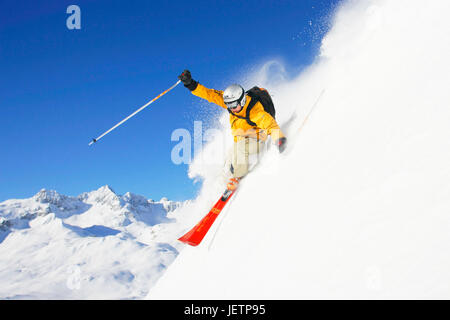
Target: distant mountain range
96	245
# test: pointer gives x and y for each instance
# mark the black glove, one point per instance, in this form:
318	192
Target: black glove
281	143
187	80
185	77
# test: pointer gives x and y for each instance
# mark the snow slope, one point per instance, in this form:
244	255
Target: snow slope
98	245
359	205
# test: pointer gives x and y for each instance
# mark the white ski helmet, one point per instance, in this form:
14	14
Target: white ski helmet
234	95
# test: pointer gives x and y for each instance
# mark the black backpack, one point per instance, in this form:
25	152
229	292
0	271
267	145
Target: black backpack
258	95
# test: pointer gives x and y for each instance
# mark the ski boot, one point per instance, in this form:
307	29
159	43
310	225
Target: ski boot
233	184
231	187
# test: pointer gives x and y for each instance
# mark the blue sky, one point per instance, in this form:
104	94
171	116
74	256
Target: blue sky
59	88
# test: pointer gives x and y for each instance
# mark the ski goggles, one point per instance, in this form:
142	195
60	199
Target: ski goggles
232	105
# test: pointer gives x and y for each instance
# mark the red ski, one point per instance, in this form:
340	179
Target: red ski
198	232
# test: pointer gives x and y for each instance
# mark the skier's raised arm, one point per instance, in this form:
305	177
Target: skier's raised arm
211	95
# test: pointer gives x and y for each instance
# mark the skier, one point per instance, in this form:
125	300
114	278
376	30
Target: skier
250	123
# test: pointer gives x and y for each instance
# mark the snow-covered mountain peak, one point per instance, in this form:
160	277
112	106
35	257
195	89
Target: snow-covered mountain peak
104	195
106	189
135	200
169	205
49	196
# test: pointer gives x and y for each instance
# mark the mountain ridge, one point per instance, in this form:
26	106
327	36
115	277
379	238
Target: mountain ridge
82	246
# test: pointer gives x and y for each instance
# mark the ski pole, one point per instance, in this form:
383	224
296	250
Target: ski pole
134	113
311	110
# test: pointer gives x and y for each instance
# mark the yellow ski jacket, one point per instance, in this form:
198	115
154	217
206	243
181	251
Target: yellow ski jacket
240	128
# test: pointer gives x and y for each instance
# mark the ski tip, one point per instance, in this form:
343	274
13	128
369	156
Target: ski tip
185	241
